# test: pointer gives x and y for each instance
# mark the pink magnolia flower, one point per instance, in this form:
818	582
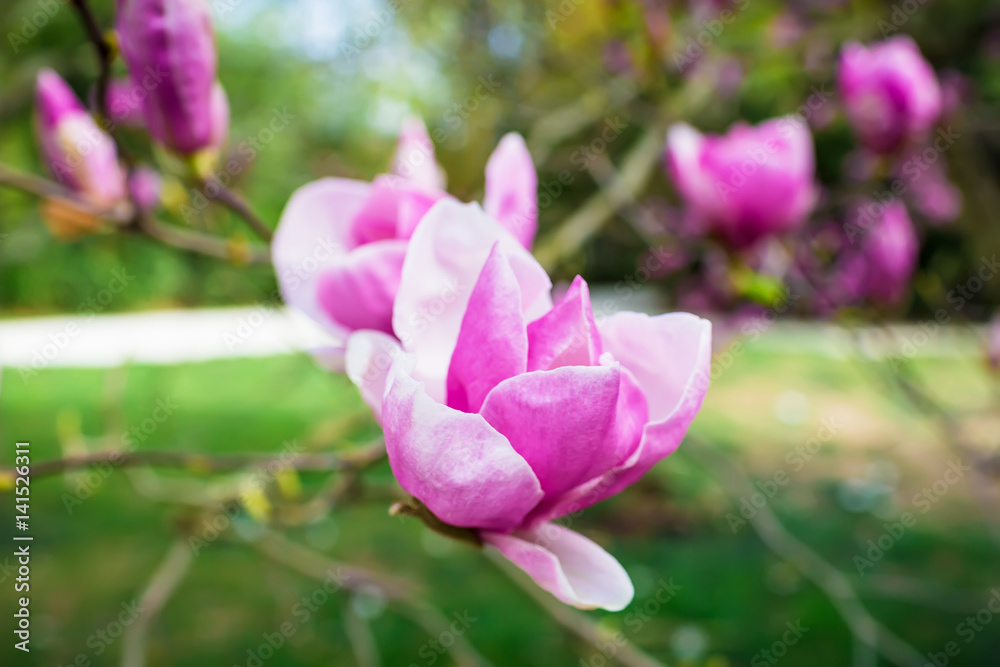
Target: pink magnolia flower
339	248
78	153
890	93
502	412
750	183
881	268
169	47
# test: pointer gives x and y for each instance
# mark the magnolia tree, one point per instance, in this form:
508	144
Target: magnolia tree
507	405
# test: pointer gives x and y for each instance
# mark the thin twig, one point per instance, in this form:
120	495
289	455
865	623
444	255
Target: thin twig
351	577
186	239
577	622
829	579
211	463
105	53
637	166
165	580
47	189
359	633
240	207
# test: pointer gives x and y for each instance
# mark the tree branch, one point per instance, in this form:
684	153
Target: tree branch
161	587
359	458
830	580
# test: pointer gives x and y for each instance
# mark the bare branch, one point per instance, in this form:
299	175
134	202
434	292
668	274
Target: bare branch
163	584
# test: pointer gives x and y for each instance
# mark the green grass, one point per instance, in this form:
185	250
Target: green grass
735	595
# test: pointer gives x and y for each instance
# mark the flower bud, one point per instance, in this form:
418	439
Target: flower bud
169	47
78	153
751	182
890	93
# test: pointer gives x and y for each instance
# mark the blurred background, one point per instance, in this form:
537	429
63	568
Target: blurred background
833	413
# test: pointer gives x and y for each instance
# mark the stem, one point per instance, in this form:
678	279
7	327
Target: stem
105	54
240	207
43	187
359	458
187	239
864	628
577	622
280	549
161	587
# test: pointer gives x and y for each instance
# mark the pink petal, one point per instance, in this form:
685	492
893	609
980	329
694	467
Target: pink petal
447	253
358	293
414	159
459	466
561	421
512	189
670	356
368	358
313	234
567	334
571	567
625	440
392	210
493	341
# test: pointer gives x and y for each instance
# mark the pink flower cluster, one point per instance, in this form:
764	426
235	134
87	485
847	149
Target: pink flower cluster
502	411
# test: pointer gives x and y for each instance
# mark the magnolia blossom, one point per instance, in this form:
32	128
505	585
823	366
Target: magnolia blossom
503	412
169	47
890	93
339	248
749	183
883	264
77	152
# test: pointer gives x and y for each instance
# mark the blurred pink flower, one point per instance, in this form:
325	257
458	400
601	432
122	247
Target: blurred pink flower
890	93
77	152
882	267
502	412
339	247
169	47
749	183
144	186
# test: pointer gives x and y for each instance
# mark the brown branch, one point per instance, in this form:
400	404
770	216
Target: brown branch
359	458
351	577
638	165
105	53
161	587
204	244
576	622
47	189
865	629
240	207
